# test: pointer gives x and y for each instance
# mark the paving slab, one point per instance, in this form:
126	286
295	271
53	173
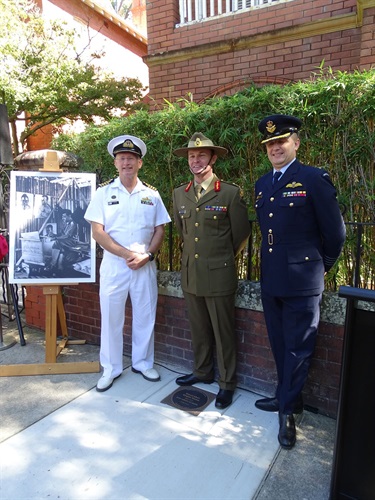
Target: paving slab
61	439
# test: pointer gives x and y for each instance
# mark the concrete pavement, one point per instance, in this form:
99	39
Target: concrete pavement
60	438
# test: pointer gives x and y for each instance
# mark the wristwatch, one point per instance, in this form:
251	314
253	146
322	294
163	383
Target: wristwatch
151	256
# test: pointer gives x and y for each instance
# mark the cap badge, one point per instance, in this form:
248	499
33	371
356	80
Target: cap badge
198	142
128	144
271	127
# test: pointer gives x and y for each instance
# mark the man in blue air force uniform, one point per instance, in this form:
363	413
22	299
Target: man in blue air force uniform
302	236
211	218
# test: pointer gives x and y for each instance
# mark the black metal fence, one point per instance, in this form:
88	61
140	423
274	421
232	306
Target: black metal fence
355	267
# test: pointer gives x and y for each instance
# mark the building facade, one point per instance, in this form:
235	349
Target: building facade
96	22
215	47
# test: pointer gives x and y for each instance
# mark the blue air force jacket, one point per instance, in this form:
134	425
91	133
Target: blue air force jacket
302	230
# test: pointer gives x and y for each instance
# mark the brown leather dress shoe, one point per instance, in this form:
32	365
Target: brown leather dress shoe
224	398
191	379
287	431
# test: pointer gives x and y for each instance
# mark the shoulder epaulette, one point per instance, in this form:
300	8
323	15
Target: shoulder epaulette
236	186
149	186
231	184
105	183
185	184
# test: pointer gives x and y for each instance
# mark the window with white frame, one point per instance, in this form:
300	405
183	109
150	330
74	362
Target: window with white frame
192	11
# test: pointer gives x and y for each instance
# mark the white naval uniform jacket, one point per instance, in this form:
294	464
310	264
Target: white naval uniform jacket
129	218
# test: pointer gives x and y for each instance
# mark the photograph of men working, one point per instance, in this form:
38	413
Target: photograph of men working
53	242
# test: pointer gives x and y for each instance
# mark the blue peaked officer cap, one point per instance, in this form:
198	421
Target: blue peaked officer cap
278	127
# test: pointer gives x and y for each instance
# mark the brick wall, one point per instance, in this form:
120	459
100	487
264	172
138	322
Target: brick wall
279	42
368	40
41	139
256	369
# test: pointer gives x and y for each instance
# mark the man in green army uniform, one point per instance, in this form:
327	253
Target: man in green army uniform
212	220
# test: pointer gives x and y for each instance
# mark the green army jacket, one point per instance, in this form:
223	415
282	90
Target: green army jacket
213	231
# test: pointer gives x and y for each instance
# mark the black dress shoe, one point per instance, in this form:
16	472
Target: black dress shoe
287	431
224	398
272	404
267	404
191	379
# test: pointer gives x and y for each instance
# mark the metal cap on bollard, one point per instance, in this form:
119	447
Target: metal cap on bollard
32	160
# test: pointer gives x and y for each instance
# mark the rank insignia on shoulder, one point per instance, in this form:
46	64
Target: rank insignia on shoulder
293	185
149	186
232	184
105	183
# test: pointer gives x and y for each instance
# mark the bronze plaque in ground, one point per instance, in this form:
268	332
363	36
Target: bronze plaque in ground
190	399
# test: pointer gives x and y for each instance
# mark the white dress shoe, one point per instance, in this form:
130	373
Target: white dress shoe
105	383
151	374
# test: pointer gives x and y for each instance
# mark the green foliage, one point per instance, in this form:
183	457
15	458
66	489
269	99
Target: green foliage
45	79
338	112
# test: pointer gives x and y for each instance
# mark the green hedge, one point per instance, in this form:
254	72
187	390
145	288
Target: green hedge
338	113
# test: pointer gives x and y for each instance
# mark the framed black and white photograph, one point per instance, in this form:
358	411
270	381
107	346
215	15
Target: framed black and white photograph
49	238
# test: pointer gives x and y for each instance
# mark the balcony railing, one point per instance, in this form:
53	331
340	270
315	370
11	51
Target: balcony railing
192	11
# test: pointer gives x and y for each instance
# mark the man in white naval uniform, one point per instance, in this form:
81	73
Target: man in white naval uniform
127	219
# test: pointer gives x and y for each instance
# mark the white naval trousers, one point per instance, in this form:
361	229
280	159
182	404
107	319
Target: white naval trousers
117	281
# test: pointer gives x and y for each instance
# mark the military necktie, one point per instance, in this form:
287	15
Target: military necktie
276	177
198	191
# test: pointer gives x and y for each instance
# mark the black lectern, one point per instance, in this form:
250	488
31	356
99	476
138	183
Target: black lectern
353	470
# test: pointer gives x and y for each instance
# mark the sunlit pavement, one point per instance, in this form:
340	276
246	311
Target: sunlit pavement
61	439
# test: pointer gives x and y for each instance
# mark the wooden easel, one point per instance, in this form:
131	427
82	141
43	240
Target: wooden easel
54	310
